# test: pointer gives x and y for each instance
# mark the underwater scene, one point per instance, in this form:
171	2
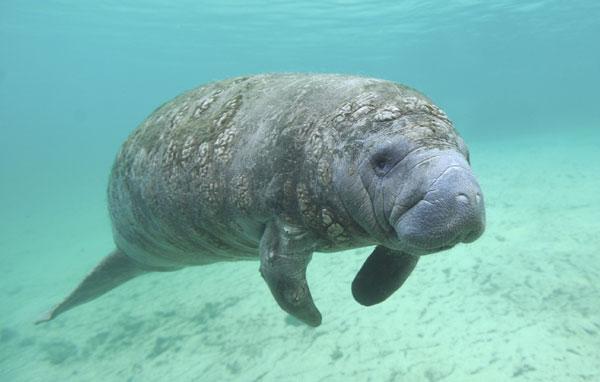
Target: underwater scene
461	134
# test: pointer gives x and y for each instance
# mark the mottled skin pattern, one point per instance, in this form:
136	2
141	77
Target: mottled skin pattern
278	166
198	181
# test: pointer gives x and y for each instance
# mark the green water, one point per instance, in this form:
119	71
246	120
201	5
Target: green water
519	79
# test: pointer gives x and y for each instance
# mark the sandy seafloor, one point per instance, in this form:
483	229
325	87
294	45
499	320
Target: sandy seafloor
522	303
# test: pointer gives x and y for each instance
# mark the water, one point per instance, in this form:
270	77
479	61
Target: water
519	79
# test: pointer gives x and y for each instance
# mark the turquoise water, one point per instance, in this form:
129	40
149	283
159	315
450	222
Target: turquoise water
520	81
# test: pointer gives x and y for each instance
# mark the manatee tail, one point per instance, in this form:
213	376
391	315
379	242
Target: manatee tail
113	270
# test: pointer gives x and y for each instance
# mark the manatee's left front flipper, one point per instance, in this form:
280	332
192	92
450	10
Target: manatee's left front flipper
284	256
381	275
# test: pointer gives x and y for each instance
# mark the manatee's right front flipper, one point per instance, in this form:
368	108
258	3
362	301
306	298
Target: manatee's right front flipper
284	256
113	270
381	275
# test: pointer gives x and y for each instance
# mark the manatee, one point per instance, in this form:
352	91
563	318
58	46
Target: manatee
277	166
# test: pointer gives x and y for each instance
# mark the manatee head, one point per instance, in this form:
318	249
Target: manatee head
406	179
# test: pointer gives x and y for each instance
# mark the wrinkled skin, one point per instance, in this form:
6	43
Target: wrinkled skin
278	166
421	199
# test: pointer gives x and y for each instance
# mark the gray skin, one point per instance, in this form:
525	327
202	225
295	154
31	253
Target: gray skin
279	166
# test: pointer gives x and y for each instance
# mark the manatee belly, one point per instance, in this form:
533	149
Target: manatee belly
162	228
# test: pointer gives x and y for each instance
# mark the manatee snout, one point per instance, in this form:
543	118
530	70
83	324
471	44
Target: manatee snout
450	211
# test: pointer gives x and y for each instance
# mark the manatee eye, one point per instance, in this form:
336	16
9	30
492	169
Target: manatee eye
382	163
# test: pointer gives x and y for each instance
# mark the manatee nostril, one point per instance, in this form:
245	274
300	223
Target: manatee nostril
462	198
478	198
